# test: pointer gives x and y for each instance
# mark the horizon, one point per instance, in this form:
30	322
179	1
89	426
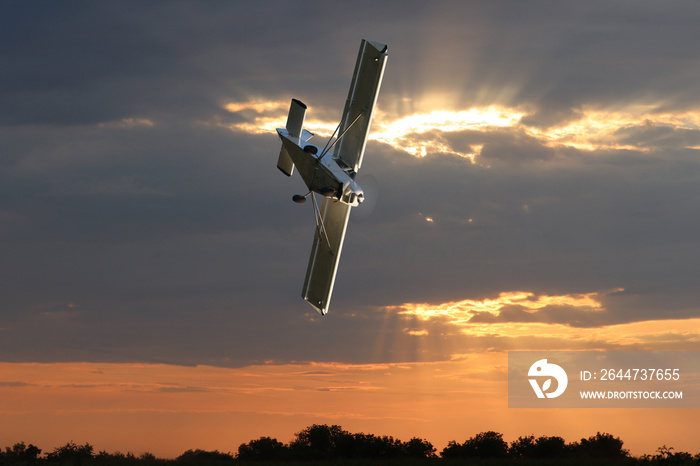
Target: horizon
437	453
156	407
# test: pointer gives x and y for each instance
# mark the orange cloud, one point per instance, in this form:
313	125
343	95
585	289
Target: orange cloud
462	311
467	318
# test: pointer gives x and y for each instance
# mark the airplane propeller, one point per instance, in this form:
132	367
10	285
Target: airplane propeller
370	186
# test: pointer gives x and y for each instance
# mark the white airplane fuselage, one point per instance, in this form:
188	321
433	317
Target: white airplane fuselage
322	174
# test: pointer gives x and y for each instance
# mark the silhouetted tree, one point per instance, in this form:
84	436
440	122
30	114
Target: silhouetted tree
372	446
388	447
205	457
72	454
666	456
332	442
551	447
148	457
600	446
453	450
523	447
318	442
264	448
104	458
488	444
324	442
539	448
419	448
22	453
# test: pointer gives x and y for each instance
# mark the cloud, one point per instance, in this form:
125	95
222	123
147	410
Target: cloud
515	148
510	303
14	384
154	252
494	134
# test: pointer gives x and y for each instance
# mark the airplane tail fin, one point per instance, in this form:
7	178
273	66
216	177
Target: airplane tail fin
295	122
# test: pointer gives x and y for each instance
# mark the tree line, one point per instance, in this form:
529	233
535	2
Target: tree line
329	443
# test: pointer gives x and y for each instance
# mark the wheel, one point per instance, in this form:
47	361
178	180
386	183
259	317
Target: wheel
311	149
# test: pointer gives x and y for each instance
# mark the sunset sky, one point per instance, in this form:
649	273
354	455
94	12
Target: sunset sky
533	175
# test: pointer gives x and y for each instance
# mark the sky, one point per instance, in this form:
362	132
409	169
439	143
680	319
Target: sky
533	183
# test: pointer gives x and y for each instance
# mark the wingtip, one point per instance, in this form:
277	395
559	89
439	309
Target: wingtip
299	102
380	46
320	307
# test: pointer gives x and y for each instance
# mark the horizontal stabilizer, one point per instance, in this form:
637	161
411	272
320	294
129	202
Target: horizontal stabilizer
305	135
285	163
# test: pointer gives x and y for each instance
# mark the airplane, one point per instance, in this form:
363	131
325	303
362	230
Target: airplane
333	175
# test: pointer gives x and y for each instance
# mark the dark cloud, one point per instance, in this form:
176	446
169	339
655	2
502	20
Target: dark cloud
556	58
15	384
656	136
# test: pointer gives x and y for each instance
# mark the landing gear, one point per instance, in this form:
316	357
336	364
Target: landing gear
325	192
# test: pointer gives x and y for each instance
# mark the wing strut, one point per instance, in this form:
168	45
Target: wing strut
319	222
326	149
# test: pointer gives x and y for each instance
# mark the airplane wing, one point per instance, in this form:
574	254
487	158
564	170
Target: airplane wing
359	108
325	253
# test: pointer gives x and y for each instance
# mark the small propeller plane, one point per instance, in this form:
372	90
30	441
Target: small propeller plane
333	175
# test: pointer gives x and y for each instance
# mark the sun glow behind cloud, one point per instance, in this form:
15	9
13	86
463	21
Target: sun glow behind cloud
609	129
462	311
493	317
263	117
395	132
634	127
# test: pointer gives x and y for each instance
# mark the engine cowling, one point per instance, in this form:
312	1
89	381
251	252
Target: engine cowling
352	194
